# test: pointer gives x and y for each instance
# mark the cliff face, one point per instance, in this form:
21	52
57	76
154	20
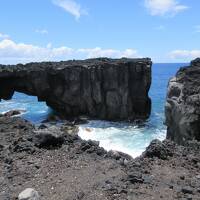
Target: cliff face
98	88
182	108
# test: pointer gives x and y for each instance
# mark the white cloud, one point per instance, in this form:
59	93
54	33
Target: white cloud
41	31
12	53
71	7
184	54
2	35
99	52
164	7
160	28
197	29
130	53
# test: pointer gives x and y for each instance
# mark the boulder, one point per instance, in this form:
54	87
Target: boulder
112	89
161	150
48	138
29	194
182	109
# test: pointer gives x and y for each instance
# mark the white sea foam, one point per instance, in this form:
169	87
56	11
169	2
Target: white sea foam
41	111
122	137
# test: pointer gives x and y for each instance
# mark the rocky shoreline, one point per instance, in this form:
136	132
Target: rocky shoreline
50	162
61	166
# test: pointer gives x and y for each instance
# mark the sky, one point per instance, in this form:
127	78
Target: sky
54	30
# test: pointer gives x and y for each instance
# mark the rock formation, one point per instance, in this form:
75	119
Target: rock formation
82	170
113	89
182	108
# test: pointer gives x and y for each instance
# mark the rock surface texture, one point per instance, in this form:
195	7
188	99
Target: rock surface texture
81	170
29	194
98	88
182	108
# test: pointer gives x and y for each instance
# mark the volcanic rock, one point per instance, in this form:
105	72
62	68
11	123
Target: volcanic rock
113	89
159	149
182	108
80	169
48	139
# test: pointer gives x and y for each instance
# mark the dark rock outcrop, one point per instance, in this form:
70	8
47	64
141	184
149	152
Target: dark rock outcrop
182	108
48	138
78	169
161	150
98	88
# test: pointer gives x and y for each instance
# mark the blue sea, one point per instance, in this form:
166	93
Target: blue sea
126	137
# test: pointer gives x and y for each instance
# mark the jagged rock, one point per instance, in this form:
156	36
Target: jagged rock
29	194
71	172
48	138
114	89
135	178
12	113
23	146
182	108
159	149
91	146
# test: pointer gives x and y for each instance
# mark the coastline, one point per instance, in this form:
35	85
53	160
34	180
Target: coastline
165	170
58	164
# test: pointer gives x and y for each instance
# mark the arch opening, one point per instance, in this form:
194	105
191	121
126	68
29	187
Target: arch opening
31	109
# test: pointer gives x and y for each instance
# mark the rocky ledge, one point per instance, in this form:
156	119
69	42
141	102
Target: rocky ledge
182	108
113	89
52	162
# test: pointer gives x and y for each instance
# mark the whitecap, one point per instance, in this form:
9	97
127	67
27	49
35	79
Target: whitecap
123	137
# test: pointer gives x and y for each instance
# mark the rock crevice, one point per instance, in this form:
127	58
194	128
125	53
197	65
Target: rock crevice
113	89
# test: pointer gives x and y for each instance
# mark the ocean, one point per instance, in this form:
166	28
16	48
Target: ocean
121	136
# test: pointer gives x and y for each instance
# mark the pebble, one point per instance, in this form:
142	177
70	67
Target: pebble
29	194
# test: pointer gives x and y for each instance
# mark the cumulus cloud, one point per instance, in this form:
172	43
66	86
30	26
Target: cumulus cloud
99	52
184	54
2	35
41	31
71	7
164	7
12	53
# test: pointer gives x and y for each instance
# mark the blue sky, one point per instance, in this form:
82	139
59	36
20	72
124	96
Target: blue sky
36	30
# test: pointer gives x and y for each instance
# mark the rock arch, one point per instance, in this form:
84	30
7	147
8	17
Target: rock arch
113	89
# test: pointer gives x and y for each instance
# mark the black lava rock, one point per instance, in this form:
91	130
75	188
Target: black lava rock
158	149
113	89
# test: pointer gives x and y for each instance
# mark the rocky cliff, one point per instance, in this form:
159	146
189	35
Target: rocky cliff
182	108
114	89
